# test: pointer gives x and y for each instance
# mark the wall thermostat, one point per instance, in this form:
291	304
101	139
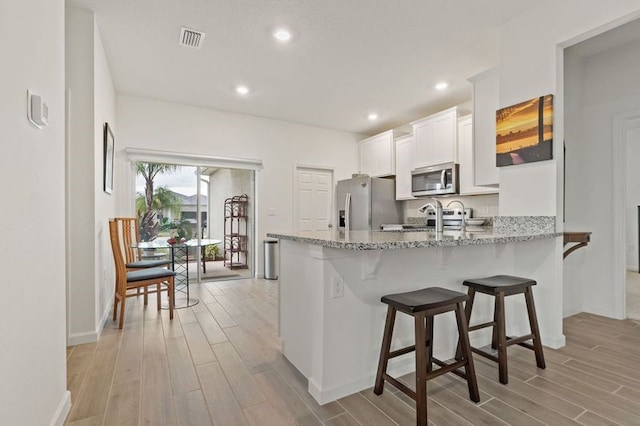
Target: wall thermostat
37	110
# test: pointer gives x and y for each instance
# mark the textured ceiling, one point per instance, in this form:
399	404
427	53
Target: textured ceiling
346	58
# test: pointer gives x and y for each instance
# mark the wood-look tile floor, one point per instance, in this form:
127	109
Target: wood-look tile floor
219	363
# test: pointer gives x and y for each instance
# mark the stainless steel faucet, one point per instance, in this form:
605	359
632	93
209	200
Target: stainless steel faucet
436	206
463	226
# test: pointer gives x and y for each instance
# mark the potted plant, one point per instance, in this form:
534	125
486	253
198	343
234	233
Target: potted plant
212	252
179	230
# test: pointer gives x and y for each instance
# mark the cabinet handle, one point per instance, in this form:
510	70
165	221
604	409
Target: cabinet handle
347	213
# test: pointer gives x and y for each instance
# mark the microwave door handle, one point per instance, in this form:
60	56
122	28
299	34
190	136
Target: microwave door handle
347	212
443	177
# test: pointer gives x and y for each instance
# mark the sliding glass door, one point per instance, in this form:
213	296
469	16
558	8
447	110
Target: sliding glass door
184	204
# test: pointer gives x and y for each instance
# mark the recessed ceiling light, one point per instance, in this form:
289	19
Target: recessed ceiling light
442	86
282	35
373	116
242	90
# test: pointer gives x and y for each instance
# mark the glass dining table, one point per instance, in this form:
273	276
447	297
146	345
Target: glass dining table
180	258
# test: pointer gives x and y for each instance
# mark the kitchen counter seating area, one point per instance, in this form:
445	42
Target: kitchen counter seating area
331	318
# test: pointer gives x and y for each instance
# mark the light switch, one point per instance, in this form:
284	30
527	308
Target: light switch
271	212
37	110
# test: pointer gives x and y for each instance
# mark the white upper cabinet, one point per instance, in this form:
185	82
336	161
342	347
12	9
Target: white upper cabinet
405	151
485	103
435	138
465	156
377	155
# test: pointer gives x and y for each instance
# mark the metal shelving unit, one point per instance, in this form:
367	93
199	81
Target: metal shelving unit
236	211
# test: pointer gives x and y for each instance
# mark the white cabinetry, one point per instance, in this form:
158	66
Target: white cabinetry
405	151
435	138
465	156
377	155
485	103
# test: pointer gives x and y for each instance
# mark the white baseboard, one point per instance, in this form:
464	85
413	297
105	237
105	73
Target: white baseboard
90	336
571	311
82	338
324	396
105	316
555	342
604	313
60	415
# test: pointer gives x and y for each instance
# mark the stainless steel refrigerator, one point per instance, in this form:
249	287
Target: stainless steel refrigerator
365	203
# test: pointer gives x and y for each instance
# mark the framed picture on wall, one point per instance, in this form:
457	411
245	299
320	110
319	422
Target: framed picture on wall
109	148
524	132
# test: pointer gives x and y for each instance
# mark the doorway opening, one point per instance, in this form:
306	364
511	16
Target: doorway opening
601	101
628	134
189	205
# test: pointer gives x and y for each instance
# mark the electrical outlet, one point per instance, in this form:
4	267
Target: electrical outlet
337	287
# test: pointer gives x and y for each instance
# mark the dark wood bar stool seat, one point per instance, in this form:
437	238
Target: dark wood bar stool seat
423	305
500	286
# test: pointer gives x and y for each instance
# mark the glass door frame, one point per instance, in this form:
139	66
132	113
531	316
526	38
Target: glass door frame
135	155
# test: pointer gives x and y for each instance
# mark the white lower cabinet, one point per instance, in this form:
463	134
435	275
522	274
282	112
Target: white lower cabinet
466	158
405	151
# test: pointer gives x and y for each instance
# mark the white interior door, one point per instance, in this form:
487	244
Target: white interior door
313	199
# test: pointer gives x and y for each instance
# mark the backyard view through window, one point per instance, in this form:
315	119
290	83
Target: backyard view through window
179	206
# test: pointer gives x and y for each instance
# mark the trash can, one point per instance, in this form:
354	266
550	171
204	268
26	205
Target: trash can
270	260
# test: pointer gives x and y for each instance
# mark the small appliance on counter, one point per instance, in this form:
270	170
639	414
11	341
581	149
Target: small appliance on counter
365	203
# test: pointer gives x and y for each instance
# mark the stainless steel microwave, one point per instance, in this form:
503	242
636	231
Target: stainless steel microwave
435	180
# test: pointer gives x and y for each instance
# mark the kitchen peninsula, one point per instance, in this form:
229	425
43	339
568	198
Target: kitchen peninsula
330	316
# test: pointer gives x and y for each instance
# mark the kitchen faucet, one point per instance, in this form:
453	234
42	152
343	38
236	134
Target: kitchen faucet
463	226
437	208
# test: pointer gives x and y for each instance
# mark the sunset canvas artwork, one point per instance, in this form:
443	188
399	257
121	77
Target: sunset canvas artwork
524	132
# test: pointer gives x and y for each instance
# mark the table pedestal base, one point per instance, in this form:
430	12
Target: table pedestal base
182	302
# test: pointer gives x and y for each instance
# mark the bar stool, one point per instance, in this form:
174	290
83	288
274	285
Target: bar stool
500	286
423	305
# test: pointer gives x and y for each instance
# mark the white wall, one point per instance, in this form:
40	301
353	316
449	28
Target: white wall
92	103
80	153
151	124
531	64
602	86
529	67
105	204
32	272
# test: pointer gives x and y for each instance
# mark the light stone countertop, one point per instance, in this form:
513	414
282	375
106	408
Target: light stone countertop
506	229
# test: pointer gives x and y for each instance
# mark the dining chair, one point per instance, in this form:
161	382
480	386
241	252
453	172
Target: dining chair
130	232
129	229
162	278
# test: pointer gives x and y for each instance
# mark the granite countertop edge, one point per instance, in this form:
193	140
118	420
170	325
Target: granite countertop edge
417	241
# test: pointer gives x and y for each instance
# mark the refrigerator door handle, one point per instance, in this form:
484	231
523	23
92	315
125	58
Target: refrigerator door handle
347	212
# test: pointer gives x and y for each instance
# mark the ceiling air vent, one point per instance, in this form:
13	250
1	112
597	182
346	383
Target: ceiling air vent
191	38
